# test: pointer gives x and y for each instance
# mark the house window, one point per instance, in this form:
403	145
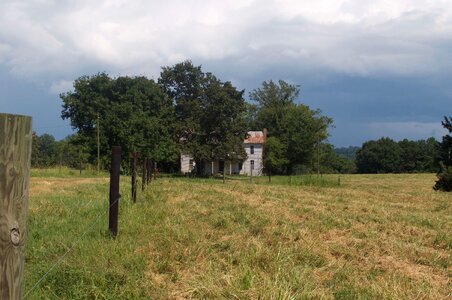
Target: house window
252	164
221	166
240	165
251	149
190	165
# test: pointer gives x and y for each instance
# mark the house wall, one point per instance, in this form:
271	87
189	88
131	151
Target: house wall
207	167
185	163
257	157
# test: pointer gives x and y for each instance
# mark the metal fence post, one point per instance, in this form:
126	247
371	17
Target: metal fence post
134	176
114	190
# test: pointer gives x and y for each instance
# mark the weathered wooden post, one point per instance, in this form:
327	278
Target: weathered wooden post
143	176
134	176
15	157
114	190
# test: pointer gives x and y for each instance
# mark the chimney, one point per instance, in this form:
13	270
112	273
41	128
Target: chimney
265	134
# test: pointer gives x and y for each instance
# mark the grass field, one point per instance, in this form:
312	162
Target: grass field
372	237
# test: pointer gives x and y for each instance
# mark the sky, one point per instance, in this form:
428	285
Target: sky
379	68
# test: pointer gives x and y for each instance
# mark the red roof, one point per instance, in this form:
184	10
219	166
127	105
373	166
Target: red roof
255	137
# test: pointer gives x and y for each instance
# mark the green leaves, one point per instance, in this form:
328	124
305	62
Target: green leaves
209	113
296	127
134	112
275	156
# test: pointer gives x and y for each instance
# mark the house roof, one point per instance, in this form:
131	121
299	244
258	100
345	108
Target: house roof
255	137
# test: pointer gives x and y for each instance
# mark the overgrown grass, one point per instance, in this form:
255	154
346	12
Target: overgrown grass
372	237
65	172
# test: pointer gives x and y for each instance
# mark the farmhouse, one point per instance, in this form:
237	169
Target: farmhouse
253	145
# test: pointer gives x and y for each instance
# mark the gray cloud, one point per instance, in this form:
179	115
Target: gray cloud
355	37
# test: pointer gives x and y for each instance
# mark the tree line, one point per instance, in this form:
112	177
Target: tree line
187	110
388	156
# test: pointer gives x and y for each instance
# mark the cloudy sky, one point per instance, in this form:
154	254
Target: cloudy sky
377	67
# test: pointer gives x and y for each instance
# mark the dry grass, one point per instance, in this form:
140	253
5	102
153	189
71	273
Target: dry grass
375	236
49	185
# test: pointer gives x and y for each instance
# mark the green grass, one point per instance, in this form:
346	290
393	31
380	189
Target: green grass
65	172
372	237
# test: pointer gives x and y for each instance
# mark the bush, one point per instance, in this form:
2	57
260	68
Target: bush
444	182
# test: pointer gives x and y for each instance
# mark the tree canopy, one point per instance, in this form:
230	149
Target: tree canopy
210	114
133	112
297	128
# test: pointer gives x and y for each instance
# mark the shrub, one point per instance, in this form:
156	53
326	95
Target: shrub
444	182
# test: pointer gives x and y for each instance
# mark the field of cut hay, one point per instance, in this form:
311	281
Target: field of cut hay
371	237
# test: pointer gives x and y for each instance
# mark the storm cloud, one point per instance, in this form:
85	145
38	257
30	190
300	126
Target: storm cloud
377	67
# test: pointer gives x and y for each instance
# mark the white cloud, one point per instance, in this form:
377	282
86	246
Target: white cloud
61	86
64	39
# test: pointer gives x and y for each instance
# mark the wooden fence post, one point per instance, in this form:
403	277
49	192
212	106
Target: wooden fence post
15	157
134	176
114	190
143	176
149	171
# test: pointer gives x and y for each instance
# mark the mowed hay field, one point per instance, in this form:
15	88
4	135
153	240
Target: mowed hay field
372	237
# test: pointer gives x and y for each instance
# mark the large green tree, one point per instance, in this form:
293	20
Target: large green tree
132	112
210	121
296	126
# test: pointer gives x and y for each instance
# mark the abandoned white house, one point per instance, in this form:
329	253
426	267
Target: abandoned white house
253	145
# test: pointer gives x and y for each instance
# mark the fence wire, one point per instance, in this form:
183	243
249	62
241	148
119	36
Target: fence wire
61	258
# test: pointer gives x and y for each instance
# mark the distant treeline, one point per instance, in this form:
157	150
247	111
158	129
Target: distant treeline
376	156
387	156
382	156
48	152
